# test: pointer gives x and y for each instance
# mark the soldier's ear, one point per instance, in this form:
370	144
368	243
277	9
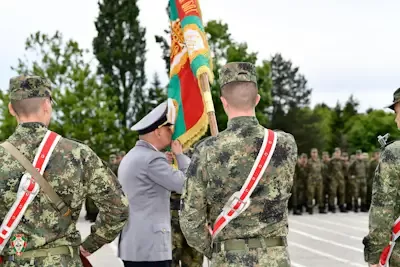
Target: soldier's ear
12	111
223	100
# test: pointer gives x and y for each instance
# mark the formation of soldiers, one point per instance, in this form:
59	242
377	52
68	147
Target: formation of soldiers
321	181
113	164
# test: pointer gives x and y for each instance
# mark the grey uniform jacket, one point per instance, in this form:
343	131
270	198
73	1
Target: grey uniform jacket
147	180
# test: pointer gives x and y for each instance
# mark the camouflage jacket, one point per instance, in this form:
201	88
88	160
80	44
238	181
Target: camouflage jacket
300	175
75	172
314	168
220	166
358	169
336	169
385	206
371	170
325	170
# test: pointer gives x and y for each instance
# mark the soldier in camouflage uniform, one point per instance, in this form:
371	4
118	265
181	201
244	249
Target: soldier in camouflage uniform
74	171
315	183
385	204
371	173
181	251
299	185
325	176
219	168
114	164
358	181
120	156
348	195
337	170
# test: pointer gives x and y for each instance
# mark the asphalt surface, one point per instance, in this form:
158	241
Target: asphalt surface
326	240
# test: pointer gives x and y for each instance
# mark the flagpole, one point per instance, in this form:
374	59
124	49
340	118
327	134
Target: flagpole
205	87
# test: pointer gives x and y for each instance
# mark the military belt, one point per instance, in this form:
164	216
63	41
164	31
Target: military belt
37	253
249	243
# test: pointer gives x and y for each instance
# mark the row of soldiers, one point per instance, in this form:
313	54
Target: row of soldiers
348	180
113	164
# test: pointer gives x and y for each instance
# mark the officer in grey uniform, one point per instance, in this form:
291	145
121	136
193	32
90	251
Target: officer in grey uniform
148	179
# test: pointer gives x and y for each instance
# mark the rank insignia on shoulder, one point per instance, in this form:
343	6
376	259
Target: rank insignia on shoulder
19	243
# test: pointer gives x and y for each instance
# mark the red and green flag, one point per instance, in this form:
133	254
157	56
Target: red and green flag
190	57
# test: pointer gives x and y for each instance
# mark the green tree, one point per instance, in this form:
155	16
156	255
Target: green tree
82	111
365	128
120	49
289	89
339	138
325	121
307	124
8	123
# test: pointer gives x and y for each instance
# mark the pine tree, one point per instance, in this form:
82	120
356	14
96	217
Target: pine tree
120	48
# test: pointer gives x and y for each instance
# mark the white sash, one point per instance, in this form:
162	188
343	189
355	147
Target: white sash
240	200
28	188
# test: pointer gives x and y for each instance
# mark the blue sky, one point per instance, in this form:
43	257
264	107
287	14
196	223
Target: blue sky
342	47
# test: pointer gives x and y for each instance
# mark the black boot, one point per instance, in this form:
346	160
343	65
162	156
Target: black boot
300	209
342	209
322	210
349	206
332	209
364	208
356	208
296	212
310	211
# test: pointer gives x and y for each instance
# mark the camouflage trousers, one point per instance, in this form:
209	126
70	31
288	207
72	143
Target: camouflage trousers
326	183
315	190
348	193
52	261
359	189
337	188
181	251
298	196
269	257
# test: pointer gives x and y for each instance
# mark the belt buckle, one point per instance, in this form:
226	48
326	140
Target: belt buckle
11	258
25	186
229	205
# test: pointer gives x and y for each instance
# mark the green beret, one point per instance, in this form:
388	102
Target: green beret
113	156
121	153
344	154
337	149
358	152
303	155
24	87
237	72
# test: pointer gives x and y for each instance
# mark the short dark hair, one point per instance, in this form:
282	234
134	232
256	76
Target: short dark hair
27	106
240	95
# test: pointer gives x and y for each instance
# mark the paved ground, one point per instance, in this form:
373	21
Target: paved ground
327	240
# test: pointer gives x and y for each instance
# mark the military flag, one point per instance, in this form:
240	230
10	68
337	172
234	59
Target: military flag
190	59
